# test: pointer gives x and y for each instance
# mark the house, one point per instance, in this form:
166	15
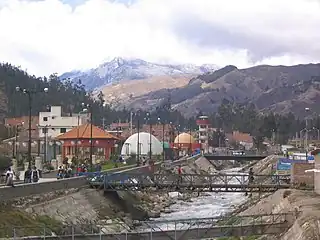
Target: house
244	139
77	142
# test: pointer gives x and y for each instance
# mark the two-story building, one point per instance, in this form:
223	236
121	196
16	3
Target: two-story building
53	123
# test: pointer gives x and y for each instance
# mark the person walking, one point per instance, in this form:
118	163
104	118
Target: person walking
27	176
35	175
9	177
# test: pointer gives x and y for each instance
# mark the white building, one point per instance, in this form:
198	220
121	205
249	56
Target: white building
55	124
130	145
204	126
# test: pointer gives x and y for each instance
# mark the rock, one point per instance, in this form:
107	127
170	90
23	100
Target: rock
154	214
167	210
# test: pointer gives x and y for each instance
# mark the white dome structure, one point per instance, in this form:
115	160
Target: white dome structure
130	145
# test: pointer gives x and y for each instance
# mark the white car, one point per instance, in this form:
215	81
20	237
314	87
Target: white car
238	153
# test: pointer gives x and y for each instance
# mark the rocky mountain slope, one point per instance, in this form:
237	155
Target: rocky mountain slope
272	88
123	92
120	69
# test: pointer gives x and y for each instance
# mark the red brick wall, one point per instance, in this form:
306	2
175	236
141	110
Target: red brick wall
299	176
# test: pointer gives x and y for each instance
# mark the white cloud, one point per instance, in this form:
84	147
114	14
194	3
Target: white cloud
51	36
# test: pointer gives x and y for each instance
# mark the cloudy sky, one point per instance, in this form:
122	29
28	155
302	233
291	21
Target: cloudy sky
46	36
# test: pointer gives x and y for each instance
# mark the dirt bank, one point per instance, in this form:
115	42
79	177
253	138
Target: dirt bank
305	206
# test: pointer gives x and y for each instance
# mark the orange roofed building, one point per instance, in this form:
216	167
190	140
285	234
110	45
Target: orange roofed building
76	143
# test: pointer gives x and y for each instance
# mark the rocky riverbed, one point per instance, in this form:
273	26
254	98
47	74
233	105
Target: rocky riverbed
116	211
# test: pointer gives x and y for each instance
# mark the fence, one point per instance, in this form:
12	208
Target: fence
160	230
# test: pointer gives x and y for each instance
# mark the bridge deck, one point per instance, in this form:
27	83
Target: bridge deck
235	157
191	182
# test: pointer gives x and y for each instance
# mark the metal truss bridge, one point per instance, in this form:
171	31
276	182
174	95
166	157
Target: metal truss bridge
182	229
190	182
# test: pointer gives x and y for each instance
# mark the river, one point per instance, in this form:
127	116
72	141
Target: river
209	205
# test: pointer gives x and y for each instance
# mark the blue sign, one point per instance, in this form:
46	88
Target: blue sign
310	158
283	165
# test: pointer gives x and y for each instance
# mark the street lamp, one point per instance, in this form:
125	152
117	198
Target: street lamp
89	107
163	151
148	120
30	93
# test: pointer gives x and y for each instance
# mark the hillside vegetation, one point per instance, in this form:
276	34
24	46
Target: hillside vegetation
280	89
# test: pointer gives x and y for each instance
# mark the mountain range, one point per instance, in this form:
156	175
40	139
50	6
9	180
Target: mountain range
122	69
190	88
279	89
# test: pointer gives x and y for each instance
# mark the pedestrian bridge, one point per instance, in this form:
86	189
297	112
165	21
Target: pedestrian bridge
235	157
182	229
190	182
25	190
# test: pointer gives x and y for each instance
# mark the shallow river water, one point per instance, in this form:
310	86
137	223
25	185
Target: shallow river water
211	205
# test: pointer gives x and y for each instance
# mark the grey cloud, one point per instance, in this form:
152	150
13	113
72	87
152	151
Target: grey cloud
208	35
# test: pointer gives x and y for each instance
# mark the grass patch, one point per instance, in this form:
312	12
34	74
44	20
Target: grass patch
14	222
110	165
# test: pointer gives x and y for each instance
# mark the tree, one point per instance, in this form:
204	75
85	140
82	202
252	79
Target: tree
217	138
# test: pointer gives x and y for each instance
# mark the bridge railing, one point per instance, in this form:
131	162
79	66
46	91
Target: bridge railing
188	179
178	226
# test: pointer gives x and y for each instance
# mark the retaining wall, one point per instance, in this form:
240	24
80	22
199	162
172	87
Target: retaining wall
299	176
24	190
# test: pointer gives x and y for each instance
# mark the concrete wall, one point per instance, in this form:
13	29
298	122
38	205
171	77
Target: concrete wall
9	193
23	190
81	206
299	176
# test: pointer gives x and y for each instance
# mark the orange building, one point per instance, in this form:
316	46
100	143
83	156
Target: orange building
76	142
185	143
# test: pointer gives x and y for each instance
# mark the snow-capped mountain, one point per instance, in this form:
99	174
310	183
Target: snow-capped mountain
120	69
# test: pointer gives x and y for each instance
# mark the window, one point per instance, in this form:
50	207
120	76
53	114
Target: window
45	119
63	130
53	117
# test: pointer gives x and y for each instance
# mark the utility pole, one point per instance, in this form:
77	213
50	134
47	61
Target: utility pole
138	143
163	148
190	129
103	123
45	144
306	144
131	130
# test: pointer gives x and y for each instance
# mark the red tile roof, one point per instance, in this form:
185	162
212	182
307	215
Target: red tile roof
84	132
